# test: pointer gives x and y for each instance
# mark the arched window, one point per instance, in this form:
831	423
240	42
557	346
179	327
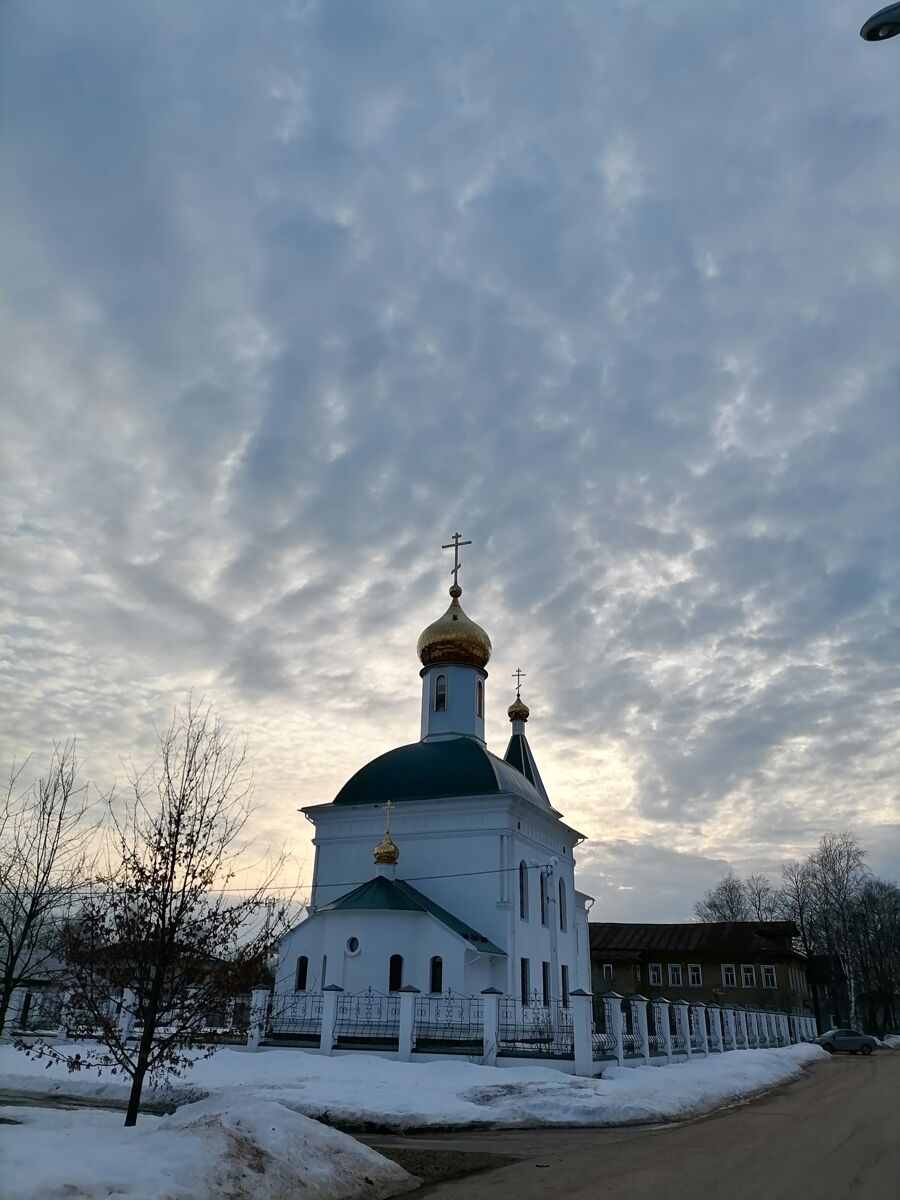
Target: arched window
436	981
563	919
543	883
324	965
395	973
302	973
440	693
523	891
479	699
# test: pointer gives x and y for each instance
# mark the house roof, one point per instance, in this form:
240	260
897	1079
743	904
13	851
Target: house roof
382	893
439	770
728	937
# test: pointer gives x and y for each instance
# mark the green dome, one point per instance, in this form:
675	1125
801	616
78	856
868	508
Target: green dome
434	771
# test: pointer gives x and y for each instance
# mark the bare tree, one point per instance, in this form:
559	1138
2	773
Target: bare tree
727	901
763	900
162	920
44	840
837	872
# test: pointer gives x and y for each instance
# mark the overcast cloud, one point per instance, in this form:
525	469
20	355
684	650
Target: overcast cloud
295	291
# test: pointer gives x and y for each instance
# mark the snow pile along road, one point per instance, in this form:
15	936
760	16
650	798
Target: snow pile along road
362	1090
247	1149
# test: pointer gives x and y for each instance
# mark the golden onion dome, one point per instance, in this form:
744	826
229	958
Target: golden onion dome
518	710
386	851
454	638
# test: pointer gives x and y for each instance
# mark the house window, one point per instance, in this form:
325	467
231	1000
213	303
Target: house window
544	897
395	973
769	980
563	917
607	973
695	975
302	973
479	699
729	975
440	694
545	983
564	972
523	891
436	981
525	978
748	975
675	974
656	974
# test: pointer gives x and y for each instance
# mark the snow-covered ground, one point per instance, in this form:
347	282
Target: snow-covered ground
359	1089
892	1040
243	1149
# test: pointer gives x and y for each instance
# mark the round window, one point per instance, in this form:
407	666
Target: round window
352	945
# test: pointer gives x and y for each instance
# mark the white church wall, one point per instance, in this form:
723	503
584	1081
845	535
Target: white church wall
378	934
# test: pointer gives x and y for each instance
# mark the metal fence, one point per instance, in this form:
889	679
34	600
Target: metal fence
296	1017
676	1036
657	1018
449	1024
533	1028
712	1032
603	1039
632	1039
367	1020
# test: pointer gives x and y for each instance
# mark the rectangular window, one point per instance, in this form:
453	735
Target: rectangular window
564	971
656	974
729	975
545	982
607	973
695	975
748	975
769	980
675	974
525	978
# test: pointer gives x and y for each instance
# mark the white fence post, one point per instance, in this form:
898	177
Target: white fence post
490	1025
639	1020
127	1013
582	1032
683	1024
408	995
330	995
661	1021
715	1018
14	1011
62	1031
762	1032
614	1008
259	1011
698	1013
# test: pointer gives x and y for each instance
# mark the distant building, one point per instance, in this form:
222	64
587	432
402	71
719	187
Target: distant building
750	963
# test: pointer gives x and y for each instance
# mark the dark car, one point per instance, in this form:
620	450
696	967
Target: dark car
846	1039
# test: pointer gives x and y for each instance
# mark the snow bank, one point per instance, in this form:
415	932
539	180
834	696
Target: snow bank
363	1090
242	1149
892	1040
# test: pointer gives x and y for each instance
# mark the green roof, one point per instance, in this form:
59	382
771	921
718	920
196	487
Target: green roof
437	770
382	893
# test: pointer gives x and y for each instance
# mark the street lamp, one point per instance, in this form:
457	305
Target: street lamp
883	25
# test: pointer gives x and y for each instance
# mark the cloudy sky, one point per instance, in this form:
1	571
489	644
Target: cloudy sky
293	291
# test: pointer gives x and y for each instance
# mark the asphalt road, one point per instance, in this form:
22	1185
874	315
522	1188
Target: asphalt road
831	1135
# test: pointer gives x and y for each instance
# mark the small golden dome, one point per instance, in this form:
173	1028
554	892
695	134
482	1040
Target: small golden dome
518	710
454	638
386	851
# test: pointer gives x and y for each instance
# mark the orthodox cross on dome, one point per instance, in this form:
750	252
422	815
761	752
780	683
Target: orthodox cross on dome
518	675
455	545
387	817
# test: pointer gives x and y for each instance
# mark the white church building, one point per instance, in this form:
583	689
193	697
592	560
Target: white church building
439	865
